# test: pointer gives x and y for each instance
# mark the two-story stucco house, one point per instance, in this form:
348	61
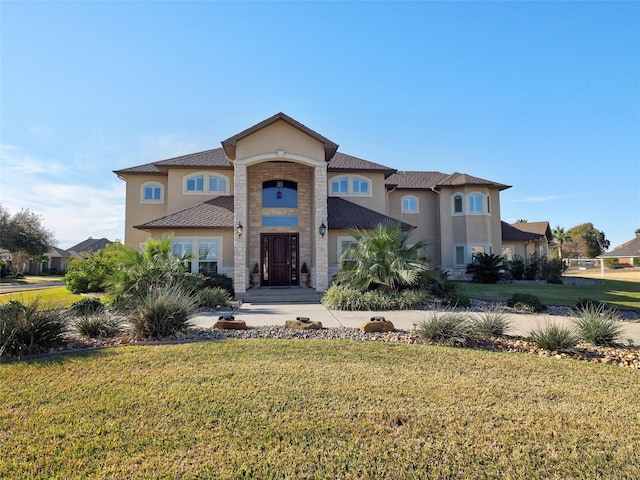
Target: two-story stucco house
280	195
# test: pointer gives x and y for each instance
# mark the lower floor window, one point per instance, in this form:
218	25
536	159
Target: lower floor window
460	255
207	259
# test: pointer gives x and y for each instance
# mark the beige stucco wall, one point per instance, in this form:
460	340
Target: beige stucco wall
137	212
279	136
377	201
177	200
426	220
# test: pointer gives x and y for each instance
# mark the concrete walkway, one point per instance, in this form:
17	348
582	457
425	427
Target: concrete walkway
256	315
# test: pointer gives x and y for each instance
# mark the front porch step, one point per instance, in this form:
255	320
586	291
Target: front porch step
266	295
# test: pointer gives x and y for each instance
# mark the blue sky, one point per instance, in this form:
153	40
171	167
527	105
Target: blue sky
543	96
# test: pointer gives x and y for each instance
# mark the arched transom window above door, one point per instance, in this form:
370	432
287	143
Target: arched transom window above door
279	194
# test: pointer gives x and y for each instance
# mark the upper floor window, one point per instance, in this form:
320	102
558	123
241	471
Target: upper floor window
200	183
409	204
351	186
475	203
195	184
279	194
340	185
217	184
457	203
152	192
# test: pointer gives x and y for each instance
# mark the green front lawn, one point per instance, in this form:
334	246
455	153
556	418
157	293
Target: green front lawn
47	296
316	409
617	293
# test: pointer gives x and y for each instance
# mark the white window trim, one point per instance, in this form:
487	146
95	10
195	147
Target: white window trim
412	197
205	183
151	184
510	247
195	246
350	192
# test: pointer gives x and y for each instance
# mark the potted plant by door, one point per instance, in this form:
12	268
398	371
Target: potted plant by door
304	275
255	276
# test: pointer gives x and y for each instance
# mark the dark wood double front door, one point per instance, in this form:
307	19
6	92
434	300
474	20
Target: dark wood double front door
279	258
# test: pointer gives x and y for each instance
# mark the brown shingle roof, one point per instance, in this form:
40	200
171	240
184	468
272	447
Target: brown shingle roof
541	229
415	180
214	158
229	144
457	179
347	163
627	249
510	233
217	212
343	214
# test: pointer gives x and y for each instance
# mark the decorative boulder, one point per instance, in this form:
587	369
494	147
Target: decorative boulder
376	324
303	324
230	323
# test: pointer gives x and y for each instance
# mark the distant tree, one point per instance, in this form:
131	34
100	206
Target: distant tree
24	236
522	220
560	236
586	242
637	232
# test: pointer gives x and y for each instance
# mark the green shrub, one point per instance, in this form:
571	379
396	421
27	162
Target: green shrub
213	297
453	328
532	268
4	269
636	261
456	300
552	270
552	336
491	323
341	297
86	306
31	328
218	280
162	311
526	302
554	280
597	324
98	325
611	262
517	267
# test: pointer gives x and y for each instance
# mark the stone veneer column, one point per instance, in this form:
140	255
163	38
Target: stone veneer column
240	203
320	216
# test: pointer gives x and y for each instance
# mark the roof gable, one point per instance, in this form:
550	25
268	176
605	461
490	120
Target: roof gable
513	234
542	229
627	249
347	163
229	145
90	245
342	214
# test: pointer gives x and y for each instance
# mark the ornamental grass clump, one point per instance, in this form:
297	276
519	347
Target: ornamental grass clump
34	327
98	325
162	311
491	323
597	324
452	328
86	306
554	337
213	297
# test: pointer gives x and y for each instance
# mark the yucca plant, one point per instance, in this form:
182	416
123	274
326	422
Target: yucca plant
597	324
552	336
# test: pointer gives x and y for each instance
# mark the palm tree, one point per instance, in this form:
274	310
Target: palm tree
560	236
522	220
382	259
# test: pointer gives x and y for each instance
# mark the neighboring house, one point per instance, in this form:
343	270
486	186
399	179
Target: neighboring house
625	253
279	194
525	239
88	247
58	260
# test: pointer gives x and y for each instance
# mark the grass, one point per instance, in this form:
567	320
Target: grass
58	295
316	409
31	280
620	294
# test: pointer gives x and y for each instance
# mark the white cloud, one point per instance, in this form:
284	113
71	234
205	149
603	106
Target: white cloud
548	198
72	206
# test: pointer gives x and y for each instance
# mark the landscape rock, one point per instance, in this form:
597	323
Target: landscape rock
230	325
300	325
372	326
